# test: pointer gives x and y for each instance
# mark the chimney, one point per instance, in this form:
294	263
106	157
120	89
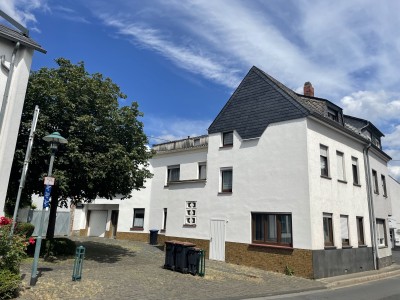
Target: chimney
308	89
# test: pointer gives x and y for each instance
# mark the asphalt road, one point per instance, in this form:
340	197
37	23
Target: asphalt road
385	289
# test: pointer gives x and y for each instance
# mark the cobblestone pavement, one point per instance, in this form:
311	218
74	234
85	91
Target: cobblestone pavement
118	269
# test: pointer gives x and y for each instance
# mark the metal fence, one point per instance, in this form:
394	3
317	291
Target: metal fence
33	216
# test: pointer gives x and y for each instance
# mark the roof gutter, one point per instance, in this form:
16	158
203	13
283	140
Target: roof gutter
372	221
8	85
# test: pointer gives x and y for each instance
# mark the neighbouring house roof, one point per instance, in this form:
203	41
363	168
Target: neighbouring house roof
183	144
361	123
16	36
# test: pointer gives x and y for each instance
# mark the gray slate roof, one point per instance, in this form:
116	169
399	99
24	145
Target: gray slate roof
258	101
16	36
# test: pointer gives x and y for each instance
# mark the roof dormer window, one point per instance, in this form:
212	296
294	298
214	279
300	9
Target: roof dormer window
333	114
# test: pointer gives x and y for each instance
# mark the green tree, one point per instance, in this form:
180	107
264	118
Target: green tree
106	155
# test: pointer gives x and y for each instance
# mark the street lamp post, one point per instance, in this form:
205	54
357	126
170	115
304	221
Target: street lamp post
55	139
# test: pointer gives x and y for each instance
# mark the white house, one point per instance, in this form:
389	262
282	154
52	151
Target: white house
282	180
394	218
16	51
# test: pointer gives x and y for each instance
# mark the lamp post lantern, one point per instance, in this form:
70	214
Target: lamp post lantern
55	139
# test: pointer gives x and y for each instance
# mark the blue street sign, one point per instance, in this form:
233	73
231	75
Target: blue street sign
46	200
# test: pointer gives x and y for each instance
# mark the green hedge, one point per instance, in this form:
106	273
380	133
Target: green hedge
54	247
9	284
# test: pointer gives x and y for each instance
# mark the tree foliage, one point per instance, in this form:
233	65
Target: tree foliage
106	155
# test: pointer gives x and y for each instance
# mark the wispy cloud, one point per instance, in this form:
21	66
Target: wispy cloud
168	129
24	10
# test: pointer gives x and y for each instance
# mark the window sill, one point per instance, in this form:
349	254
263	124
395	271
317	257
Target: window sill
376	193
326	177
330	247
342	181
385	196
136	229
356	184
185	181
226	147
272	246
362	246
382	247
162	231
189	225
347	247
224	193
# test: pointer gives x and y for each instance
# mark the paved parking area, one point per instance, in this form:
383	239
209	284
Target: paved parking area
118	269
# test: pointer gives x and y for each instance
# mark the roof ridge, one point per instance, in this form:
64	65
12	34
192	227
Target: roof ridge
280	87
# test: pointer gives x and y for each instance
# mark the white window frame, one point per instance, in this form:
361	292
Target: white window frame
384	188
340	166
223	139
344	230
190	213
201	166
375	184
221	189
324	153
381	233
170	170
354	166
135	218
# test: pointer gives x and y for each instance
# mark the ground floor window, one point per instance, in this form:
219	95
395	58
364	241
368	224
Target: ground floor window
360	230
274	229
381	232
164	226
344	229
328	229
138	218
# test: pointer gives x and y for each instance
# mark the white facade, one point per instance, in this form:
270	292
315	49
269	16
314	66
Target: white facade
16	51
394	219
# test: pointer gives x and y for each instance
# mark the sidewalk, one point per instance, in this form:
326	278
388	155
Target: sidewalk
118	269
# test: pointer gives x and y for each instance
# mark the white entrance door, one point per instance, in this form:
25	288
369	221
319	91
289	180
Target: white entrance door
97	223
217	240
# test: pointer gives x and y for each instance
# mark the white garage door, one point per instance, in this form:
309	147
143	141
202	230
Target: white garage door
97	223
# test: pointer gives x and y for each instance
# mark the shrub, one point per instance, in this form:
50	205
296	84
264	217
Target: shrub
9	284
54	247
24	229
289	271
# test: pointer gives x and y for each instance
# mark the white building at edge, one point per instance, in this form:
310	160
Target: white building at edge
281	180
16	51
394	218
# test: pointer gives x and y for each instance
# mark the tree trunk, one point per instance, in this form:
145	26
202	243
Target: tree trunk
53	213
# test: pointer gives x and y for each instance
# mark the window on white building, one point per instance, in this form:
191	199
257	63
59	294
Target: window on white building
138	218
226	180
383	179
275	229
324	161
360	231
375	181
344	229
164	223
328	229
354	168
381	232
340	166
227	138
202	170
191	213
173	173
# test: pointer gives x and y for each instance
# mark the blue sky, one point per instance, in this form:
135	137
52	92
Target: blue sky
181	60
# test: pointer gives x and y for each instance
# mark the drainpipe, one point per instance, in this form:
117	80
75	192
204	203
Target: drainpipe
8	84
371	211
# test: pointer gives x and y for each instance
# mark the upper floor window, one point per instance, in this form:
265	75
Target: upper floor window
333	114
270	228
202	170
340	166
375	181
383	179
227	138
354	168
324	161
173	173
226	180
